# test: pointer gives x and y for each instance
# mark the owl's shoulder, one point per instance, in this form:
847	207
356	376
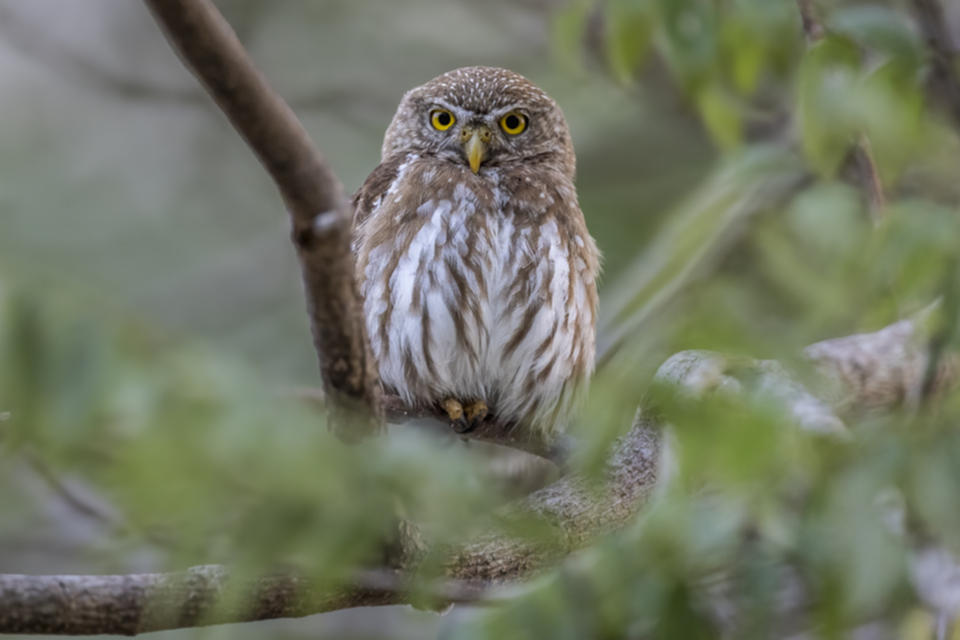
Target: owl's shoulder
378	183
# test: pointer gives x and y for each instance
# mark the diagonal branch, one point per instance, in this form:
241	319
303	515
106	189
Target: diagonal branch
320	214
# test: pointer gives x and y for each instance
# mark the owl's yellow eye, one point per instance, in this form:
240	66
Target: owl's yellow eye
441	119
513	123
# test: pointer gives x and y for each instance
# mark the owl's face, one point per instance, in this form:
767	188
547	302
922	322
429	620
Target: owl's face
481	117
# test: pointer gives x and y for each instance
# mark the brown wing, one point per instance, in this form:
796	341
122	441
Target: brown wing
368	196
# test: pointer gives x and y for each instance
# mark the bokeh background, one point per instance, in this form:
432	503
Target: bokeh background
122	178
152	315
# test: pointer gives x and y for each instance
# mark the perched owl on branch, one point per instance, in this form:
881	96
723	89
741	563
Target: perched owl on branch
473	258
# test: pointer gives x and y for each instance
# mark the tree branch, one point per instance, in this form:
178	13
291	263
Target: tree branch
574	513
812	28
933	25
870	178
492	430
881	370
320	214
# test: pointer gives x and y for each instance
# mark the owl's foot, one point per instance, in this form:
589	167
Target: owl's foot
475	412
465	418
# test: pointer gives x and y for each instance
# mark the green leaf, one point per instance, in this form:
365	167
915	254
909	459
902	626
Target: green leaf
630	25
568	32
880	28
890	103
721	116
689	41
746	56
827	84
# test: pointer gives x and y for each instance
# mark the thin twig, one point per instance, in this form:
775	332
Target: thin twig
78	503
320	213
933	25
947	317
34	42
870	178
87	507
812	27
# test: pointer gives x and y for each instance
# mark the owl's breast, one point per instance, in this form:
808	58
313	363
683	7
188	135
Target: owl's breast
427	265
469	294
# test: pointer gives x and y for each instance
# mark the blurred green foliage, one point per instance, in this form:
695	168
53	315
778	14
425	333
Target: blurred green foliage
171	400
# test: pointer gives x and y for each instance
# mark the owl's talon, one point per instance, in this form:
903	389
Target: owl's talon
475	412
461	426
454	410
464	419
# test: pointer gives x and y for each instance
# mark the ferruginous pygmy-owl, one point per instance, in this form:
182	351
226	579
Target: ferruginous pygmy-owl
473	258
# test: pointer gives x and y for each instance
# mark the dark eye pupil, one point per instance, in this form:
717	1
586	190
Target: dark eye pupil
512	122
443	119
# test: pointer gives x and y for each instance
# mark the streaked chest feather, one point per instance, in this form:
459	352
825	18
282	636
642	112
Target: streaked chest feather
464	296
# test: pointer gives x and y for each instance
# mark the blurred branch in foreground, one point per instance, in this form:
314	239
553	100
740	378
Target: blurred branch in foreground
575	512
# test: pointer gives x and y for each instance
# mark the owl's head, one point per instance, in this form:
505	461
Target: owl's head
481	117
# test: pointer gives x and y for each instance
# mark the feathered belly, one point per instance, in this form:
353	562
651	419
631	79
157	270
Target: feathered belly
478	311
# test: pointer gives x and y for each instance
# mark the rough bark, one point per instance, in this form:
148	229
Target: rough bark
133	604
320	213
881	370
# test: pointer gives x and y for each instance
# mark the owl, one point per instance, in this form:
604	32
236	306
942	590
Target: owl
474	262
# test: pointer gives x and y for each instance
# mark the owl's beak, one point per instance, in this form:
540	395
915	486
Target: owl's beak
475	146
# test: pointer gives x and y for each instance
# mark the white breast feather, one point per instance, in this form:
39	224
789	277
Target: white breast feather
494	376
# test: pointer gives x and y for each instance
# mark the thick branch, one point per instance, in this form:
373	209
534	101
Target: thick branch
131	604
880	370
320	214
